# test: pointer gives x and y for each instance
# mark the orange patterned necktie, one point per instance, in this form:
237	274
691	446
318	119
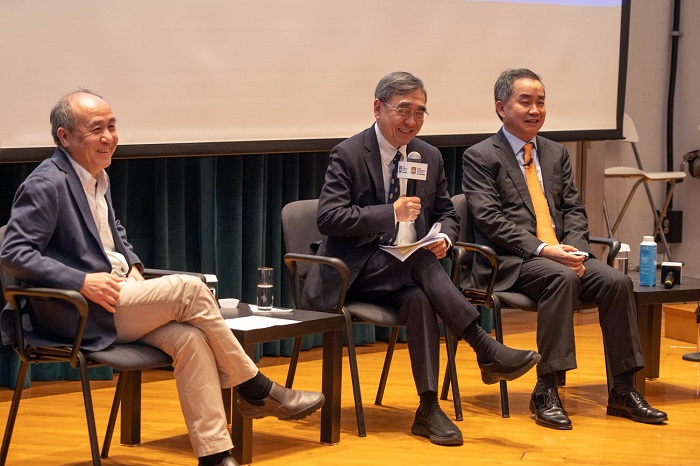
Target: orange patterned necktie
545	230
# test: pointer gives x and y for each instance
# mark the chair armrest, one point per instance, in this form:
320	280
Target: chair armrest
155	273
484	296
612	244
292	260
72	297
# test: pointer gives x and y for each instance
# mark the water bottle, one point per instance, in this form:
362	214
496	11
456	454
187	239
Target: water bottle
647	262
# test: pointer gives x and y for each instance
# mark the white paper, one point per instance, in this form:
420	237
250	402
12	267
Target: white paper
256	322
403	251
254	308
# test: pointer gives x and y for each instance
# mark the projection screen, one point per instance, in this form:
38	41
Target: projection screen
205	77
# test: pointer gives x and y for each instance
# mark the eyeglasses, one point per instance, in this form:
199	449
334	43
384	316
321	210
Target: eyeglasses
404	112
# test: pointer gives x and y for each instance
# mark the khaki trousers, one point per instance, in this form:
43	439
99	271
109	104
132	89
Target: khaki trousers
179	315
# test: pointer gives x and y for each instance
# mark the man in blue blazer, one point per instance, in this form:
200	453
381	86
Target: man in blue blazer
549	270
63	233
358	211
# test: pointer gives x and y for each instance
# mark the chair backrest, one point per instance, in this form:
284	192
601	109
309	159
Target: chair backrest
299	229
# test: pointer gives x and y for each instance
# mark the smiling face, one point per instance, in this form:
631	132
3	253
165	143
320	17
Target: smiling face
397	130
94	138
524	112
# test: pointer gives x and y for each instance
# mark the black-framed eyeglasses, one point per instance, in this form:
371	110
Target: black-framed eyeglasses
405	112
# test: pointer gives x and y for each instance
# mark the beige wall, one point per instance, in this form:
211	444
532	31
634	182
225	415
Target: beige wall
647	90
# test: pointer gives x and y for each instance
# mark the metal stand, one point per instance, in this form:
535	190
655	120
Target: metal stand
695	357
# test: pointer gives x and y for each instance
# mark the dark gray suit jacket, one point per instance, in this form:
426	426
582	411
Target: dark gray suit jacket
501	207
52	241
353	213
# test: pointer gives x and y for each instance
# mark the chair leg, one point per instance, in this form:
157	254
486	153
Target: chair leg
14	408
387	364
505	408
118	393
89	411
451	344
293	361
355	377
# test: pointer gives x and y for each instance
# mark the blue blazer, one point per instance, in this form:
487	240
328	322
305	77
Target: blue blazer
52	241
353	213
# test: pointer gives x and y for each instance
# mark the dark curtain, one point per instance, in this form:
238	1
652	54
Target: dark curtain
218	215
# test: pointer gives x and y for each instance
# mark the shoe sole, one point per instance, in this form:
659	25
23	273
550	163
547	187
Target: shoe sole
622	413
305	412
423	431
490	379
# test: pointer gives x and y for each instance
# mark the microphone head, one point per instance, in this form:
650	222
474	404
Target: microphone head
414	157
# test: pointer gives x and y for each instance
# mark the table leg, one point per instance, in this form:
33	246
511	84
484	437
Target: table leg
331	386
649	322
241	428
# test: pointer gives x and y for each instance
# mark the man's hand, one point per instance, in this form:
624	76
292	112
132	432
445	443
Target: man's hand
407	209
560	253
102	288
439	248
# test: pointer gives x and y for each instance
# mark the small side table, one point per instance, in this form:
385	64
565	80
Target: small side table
309	322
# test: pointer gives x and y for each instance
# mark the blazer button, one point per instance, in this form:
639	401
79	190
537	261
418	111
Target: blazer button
357	269
533	224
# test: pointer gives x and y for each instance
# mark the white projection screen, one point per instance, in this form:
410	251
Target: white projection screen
207	77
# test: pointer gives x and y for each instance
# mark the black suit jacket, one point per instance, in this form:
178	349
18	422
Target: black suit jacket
501	207
353	213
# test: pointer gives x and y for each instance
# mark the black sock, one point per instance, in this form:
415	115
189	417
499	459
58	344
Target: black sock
213	460
546	381
256	388
485	346
428	401
623	383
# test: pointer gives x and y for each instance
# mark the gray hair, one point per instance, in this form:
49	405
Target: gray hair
398	83
503	88
62	114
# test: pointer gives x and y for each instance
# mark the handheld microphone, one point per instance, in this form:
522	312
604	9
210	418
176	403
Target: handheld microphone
672	273
411	183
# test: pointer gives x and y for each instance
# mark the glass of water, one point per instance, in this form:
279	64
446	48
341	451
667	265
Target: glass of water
266	291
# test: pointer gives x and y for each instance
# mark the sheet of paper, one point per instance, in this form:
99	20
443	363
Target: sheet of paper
254	308
256	322
403	251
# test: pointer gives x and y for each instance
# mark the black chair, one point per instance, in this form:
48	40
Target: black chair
130	359
463	255
300	232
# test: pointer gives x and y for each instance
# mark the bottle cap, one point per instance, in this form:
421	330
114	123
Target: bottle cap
624	247
649	238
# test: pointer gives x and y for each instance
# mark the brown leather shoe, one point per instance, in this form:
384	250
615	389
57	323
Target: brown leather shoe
633	405
283	403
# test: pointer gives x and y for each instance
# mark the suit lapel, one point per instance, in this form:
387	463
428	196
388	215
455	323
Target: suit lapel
505	153
373	160
78	193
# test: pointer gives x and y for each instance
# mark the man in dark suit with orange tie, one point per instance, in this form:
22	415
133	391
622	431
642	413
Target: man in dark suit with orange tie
363	205
522	197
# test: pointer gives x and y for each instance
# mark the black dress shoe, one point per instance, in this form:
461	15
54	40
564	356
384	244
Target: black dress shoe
283	403
227	461
523	361
437	427
548	410
633	405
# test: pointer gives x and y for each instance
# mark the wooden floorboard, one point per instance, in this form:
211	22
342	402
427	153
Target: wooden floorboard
51	429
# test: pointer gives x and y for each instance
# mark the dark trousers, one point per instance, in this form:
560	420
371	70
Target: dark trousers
422	291
556	288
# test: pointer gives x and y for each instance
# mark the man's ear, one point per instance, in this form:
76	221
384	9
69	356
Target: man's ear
499	108
62	136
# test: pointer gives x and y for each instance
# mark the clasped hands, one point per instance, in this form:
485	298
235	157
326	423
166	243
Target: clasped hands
103	288
560	253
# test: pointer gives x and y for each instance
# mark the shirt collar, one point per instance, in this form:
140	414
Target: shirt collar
387	151
86	178
516	143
